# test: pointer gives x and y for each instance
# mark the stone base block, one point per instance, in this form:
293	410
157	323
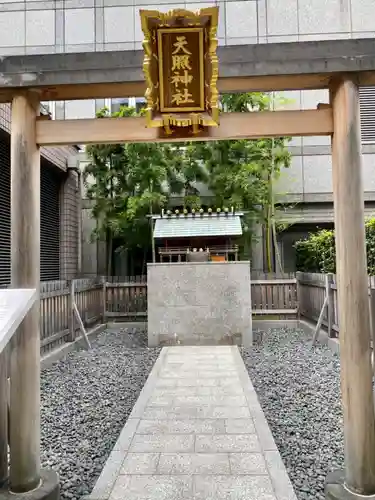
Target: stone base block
49	489
335	488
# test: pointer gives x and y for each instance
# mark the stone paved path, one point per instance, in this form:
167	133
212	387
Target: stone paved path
197	431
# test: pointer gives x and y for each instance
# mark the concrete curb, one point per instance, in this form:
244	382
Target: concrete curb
51	357
110	472
280	480
309	327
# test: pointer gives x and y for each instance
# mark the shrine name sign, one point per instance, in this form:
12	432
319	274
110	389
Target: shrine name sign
181	69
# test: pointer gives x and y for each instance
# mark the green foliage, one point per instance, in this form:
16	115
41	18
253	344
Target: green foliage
317	253
128	181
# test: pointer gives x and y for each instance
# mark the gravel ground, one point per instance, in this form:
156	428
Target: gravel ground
86	399
299	390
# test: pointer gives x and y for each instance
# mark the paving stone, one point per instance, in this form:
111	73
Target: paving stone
211	400
161	401
239	426
226	443
178	412
223	412
247	463
229	381
181	374
165	382
143	443
152	488
194	463
200	434
233	488
140	463
192	426
196	382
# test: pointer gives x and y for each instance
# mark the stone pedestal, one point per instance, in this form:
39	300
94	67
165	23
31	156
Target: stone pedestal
199	303
49	489
335	488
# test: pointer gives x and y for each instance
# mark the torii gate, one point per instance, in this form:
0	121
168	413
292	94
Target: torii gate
341	65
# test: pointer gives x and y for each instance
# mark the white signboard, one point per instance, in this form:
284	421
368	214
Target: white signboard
14	304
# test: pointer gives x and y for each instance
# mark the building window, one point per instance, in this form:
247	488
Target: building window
367	107
116	104
140	103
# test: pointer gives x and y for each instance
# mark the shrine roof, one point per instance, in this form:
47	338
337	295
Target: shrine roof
186	226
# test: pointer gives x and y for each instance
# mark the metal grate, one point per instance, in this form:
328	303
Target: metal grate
50	217
367	100
50	183
4	210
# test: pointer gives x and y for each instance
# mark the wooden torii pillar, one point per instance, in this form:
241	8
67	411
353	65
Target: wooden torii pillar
354	316
25	472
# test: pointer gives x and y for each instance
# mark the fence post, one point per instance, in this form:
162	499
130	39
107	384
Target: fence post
329	295
104	300
299	297
72	329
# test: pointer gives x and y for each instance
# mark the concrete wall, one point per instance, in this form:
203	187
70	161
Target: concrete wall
37	26
208	303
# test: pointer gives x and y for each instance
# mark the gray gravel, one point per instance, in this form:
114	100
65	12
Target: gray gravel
299	390
86	399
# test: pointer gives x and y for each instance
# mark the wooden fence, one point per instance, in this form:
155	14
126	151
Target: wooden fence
125	299
57	322
312	291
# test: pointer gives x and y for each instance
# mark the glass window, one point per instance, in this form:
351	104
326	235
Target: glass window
117	103
140	103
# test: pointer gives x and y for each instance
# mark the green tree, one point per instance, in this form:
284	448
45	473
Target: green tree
242	173
127	182
317	252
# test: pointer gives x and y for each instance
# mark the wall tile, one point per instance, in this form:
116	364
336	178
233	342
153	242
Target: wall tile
323	16
12	29
43	49
157	4
246	40
108	47
262	17
138	34
241	19
368	162
317	171
79	109
363	34
282	20
291	179
46	5
79	26
79	47
202	5
282	39
40	27
99	25
118	24
324	36
78	4
117	3
5	7
311	98
363	15
59	27
12	51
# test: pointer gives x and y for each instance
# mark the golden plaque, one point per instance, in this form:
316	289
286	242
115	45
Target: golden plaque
181	69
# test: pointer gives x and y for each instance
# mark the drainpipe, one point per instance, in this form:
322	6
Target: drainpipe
73	165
